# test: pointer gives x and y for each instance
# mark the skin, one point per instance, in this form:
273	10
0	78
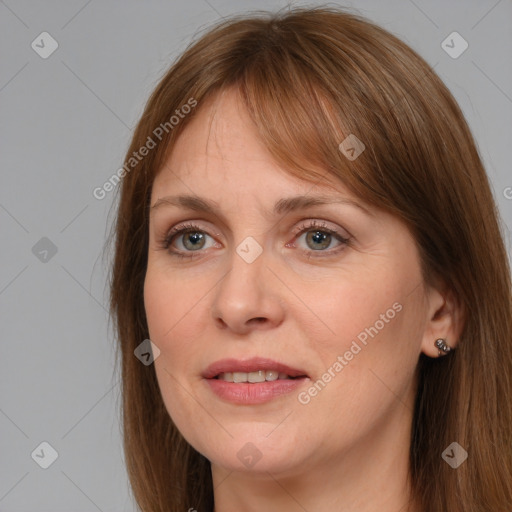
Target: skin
347	449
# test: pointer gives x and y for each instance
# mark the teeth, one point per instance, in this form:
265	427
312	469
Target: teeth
239	377
259	376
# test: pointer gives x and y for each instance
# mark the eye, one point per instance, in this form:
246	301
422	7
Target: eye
188	240
192	240
318	240
183	239
317	237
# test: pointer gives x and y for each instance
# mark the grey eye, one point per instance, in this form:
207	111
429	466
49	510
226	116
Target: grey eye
193	241
190	241
318	240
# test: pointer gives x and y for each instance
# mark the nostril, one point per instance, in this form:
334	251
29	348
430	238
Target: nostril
258	320
221	323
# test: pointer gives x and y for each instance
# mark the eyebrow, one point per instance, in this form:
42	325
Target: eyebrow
285	205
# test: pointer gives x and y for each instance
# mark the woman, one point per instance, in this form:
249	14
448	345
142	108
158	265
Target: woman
307	236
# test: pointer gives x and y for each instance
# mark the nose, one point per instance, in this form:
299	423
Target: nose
248	297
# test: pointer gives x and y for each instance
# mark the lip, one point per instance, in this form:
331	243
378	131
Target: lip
250	365
245	393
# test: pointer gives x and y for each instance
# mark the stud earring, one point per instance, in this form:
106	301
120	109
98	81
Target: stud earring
442	346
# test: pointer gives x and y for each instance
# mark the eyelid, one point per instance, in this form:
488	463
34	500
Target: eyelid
320	225
186	227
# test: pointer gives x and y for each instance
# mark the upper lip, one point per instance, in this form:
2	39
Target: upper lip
250	365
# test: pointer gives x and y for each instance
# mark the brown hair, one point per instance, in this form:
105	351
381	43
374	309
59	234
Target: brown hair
309	78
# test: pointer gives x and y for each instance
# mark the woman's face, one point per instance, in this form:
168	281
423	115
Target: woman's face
262	284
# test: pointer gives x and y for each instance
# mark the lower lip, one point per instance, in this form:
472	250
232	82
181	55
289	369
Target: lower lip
253	393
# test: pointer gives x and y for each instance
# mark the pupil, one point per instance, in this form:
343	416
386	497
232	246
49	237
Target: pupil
320	238
196	240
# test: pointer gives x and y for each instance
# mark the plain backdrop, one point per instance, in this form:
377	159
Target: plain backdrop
65	124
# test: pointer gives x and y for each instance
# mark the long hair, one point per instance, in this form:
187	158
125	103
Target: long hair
309	78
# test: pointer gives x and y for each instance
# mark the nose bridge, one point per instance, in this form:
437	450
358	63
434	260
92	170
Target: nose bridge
246	292
243	280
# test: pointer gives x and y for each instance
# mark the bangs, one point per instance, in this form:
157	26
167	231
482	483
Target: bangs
310	125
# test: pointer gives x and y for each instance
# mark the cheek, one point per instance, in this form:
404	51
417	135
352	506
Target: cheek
173	308
173	322
344	310
369	343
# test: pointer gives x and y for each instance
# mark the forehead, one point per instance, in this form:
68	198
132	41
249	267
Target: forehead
220	136
221	148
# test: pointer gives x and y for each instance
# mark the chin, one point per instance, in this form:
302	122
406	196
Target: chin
257	453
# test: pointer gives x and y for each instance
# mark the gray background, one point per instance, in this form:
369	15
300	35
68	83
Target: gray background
65	125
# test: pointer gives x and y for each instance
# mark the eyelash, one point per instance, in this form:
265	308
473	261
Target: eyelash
183	229
180	229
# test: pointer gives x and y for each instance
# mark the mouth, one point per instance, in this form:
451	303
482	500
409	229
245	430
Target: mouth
252	371
257	376
253	381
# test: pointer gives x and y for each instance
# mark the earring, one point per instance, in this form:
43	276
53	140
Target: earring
442	346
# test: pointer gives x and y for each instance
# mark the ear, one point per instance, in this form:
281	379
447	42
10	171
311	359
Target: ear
445	319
